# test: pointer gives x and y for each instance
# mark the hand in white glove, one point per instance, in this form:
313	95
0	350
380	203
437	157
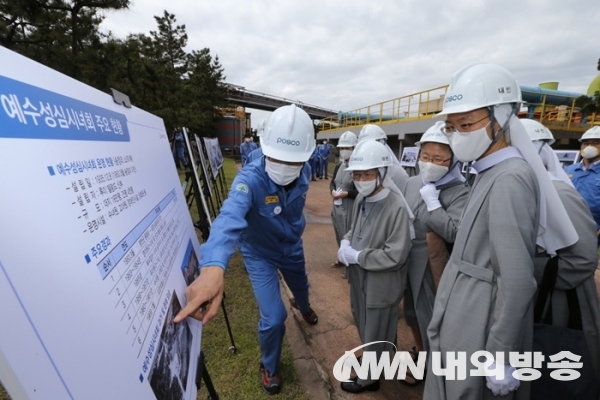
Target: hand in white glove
351	255
344	244
501	387
430	196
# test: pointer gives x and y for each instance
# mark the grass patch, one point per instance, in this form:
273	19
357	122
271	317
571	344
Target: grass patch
236	376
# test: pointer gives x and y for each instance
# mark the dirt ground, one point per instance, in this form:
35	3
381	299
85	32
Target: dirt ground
318	347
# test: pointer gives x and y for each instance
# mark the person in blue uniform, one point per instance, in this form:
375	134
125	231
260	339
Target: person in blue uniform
324	153
246	148
263	217
585	175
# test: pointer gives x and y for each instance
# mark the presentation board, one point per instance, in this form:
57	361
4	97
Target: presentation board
409	157
96	245
568	157
215	157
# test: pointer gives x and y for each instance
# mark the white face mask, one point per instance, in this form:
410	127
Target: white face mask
345	154
432	172
366	188
589	152
282	174
248	140
469	146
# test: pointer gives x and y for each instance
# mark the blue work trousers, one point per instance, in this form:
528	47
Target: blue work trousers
324	166
265	283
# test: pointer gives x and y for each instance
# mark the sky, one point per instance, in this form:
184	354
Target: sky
344	55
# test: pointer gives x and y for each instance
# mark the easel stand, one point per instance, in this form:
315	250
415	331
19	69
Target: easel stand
202	375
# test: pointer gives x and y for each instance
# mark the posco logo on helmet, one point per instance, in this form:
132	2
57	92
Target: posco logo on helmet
288	142
356	158
454	97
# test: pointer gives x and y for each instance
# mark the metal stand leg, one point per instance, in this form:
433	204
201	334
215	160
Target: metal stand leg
232	348
202	375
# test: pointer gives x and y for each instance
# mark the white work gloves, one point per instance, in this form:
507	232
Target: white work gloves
430	196
335	193
346	254
504	386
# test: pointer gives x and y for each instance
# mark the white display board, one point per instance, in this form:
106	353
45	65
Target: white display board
567	157
96	245
215	157
409	157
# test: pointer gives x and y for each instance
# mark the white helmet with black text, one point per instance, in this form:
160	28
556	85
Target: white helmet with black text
347	139
288	135
537	131
371	132
480	85
369	154
434	134
592	133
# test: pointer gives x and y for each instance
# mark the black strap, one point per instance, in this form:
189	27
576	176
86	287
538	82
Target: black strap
545	298
545	293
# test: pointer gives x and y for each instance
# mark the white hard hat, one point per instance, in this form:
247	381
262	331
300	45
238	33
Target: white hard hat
371	132
537	131
348	139
261	127
434	135
480	85
288	135
592	133
369	154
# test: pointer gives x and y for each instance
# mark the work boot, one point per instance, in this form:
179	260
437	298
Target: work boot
309	317
271	383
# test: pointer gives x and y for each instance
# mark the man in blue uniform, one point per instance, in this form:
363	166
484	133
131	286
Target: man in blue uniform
585	175
324	152
246	148
263	216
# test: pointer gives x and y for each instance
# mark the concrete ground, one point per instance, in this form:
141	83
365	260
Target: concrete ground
316	348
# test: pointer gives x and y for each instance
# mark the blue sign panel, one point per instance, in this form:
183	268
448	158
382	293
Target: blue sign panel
29	112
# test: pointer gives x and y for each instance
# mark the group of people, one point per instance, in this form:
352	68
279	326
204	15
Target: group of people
466	253
319	161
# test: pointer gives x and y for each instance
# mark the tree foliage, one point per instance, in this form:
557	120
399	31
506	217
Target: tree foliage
154	69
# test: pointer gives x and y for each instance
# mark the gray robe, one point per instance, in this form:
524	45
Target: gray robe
341	216
485	297
576	267
377	282
444	222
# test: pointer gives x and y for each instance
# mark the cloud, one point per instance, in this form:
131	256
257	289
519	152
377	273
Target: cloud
346	55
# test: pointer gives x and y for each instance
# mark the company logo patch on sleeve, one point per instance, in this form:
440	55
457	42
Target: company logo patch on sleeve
271	199
242	187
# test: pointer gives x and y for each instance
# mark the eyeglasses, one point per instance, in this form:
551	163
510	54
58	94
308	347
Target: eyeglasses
590	142
435	160
363	176
466	127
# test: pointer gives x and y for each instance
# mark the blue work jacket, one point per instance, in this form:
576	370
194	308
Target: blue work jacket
587	183
263	218
247	148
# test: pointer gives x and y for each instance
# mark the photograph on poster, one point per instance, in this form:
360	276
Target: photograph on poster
169	373
215	157
567	157
409	157
189	266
